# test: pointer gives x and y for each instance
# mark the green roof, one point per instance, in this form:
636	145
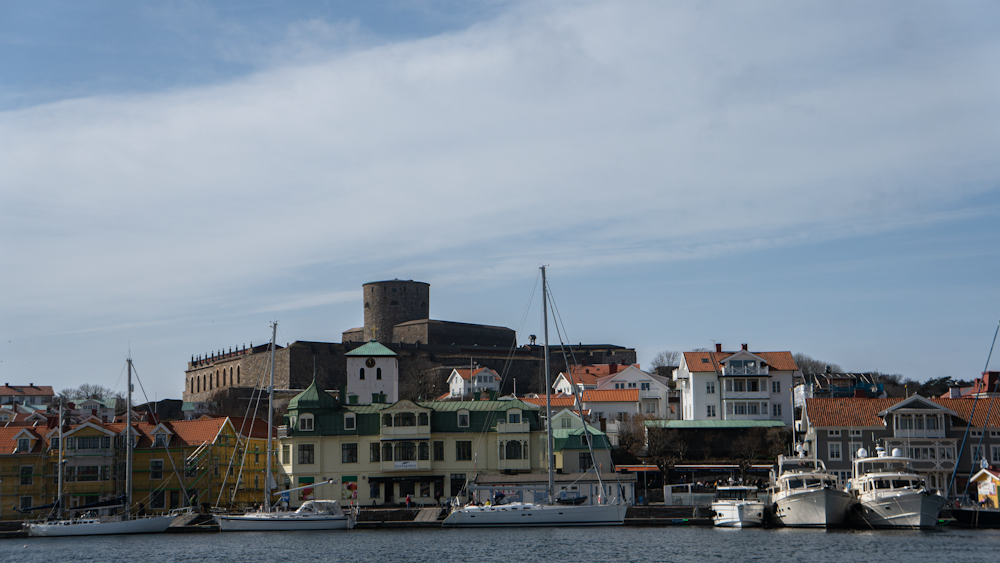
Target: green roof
372	348
367	408
563	433
715	424
446	406
313	398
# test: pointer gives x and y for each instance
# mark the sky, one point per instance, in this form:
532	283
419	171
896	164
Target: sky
814	177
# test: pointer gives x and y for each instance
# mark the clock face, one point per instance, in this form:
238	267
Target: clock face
370	362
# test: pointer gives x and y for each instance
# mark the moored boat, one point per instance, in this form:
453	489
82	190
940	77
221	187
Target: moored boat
737	507
890	494
807	496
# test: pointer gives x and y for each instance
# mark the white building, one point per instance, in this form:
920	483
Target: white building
462	382
739	385
653	389
372	371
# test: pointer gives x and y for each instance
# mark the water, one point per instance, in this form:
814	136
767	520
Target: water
526	545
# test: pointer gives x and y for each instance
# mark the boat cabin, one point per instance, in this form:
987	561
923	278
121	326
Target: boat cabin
736	493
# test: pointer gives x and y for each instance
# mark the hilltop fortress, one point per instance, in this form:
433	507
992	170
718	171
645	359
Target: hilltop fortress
396	314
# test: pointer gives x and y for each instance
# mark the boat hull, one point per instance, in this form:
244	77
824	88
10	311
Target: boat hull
738	514
906	510
820	508
95	527
536	515
282	522
977	517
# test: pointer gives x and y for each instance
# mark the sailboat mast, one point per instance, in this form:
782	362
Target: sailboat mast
548	391
270	416
128	441
59	469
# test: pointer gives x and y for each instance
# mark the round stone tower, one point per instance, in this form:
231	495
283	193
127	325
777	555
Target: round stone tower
388	303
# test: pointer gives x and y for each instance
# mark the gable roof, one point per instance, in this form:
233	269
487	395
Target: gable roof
313	398
467	373
712	361
610	395
371	348
854	411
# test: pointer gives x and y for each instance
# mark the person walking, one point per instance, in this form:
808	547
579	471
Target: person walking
407	501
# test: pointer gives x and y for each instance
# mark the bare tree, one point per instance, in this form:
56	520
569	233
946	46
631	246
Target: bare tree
92	391
632	434
809	366
666	447
666	358
421	379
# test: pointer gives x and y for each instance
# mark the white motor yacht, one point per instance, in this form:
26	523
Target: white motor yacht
312	515
737	507
806	494
891	493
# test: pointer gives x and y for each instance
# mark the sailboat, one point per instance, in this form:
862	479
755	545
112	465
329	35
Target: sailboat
312	515
102	525
548	513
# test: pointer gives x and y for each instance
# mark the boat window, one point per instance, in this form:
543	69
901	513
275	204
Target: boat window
882	484
795	483
812	482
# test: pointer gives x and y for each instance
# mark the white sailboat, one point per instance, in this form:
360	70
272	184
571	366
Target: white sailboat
549	513
806	494
103	525
312	515
890	493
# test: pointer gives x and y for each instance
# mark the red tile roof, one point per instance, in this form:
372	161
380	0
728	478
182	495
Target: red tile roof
565	402
467	373
599	370
610	395
851	411
8	444
26	391
581	378
711	361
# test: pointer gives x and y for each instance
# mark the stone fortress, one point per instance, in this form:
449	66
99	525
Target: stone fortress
396	314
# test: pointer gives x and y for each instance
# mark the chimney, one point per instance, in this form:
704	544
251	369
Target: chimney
744	346
955	393
613	368
718	347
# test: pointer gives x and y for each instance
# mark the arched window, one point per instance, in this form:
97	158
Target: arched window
237	375
216	378
198	379
387	451
378	373
513	449
362	373
223	378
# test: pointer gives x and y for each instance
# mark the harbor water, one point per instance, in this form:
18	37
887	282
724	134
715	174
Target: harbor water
523	545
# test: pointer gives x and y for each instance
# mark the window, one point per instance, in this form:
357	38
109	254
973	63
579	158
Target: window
776	409
306	453
405	451
977	454
650	408
438	451
387	451
457	483
776	387
710	387
585	461
565	422
155	469
26	477
373	452
88	443
106	442
854	447
729	385
833	432
463	419
53	444
514	449
349	422
306	423
378	373
386	421
834	450
191	467
752	386
157	500
995	456
644	386
160	440
710	411
739	385
25	503
362	374
740	408
348	453
23	444
423	451
423	419
286	454
406	419
463	450
514	418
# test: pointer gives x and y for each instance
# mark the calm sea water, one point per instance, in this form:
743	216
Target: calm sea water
543	545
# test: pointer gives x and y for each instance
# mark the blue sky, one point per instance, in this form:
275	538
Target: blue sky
818	178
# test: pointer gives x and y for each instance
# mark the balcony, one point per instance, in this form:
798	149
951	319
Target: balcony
744	370
415	432
745	395
283	431
504	427
519	464
649	394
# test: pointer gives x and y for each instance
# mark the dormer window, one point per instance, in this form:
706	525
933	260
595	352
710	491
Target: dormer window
160	440
23	444
306	423
514	417
349	421
463	418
